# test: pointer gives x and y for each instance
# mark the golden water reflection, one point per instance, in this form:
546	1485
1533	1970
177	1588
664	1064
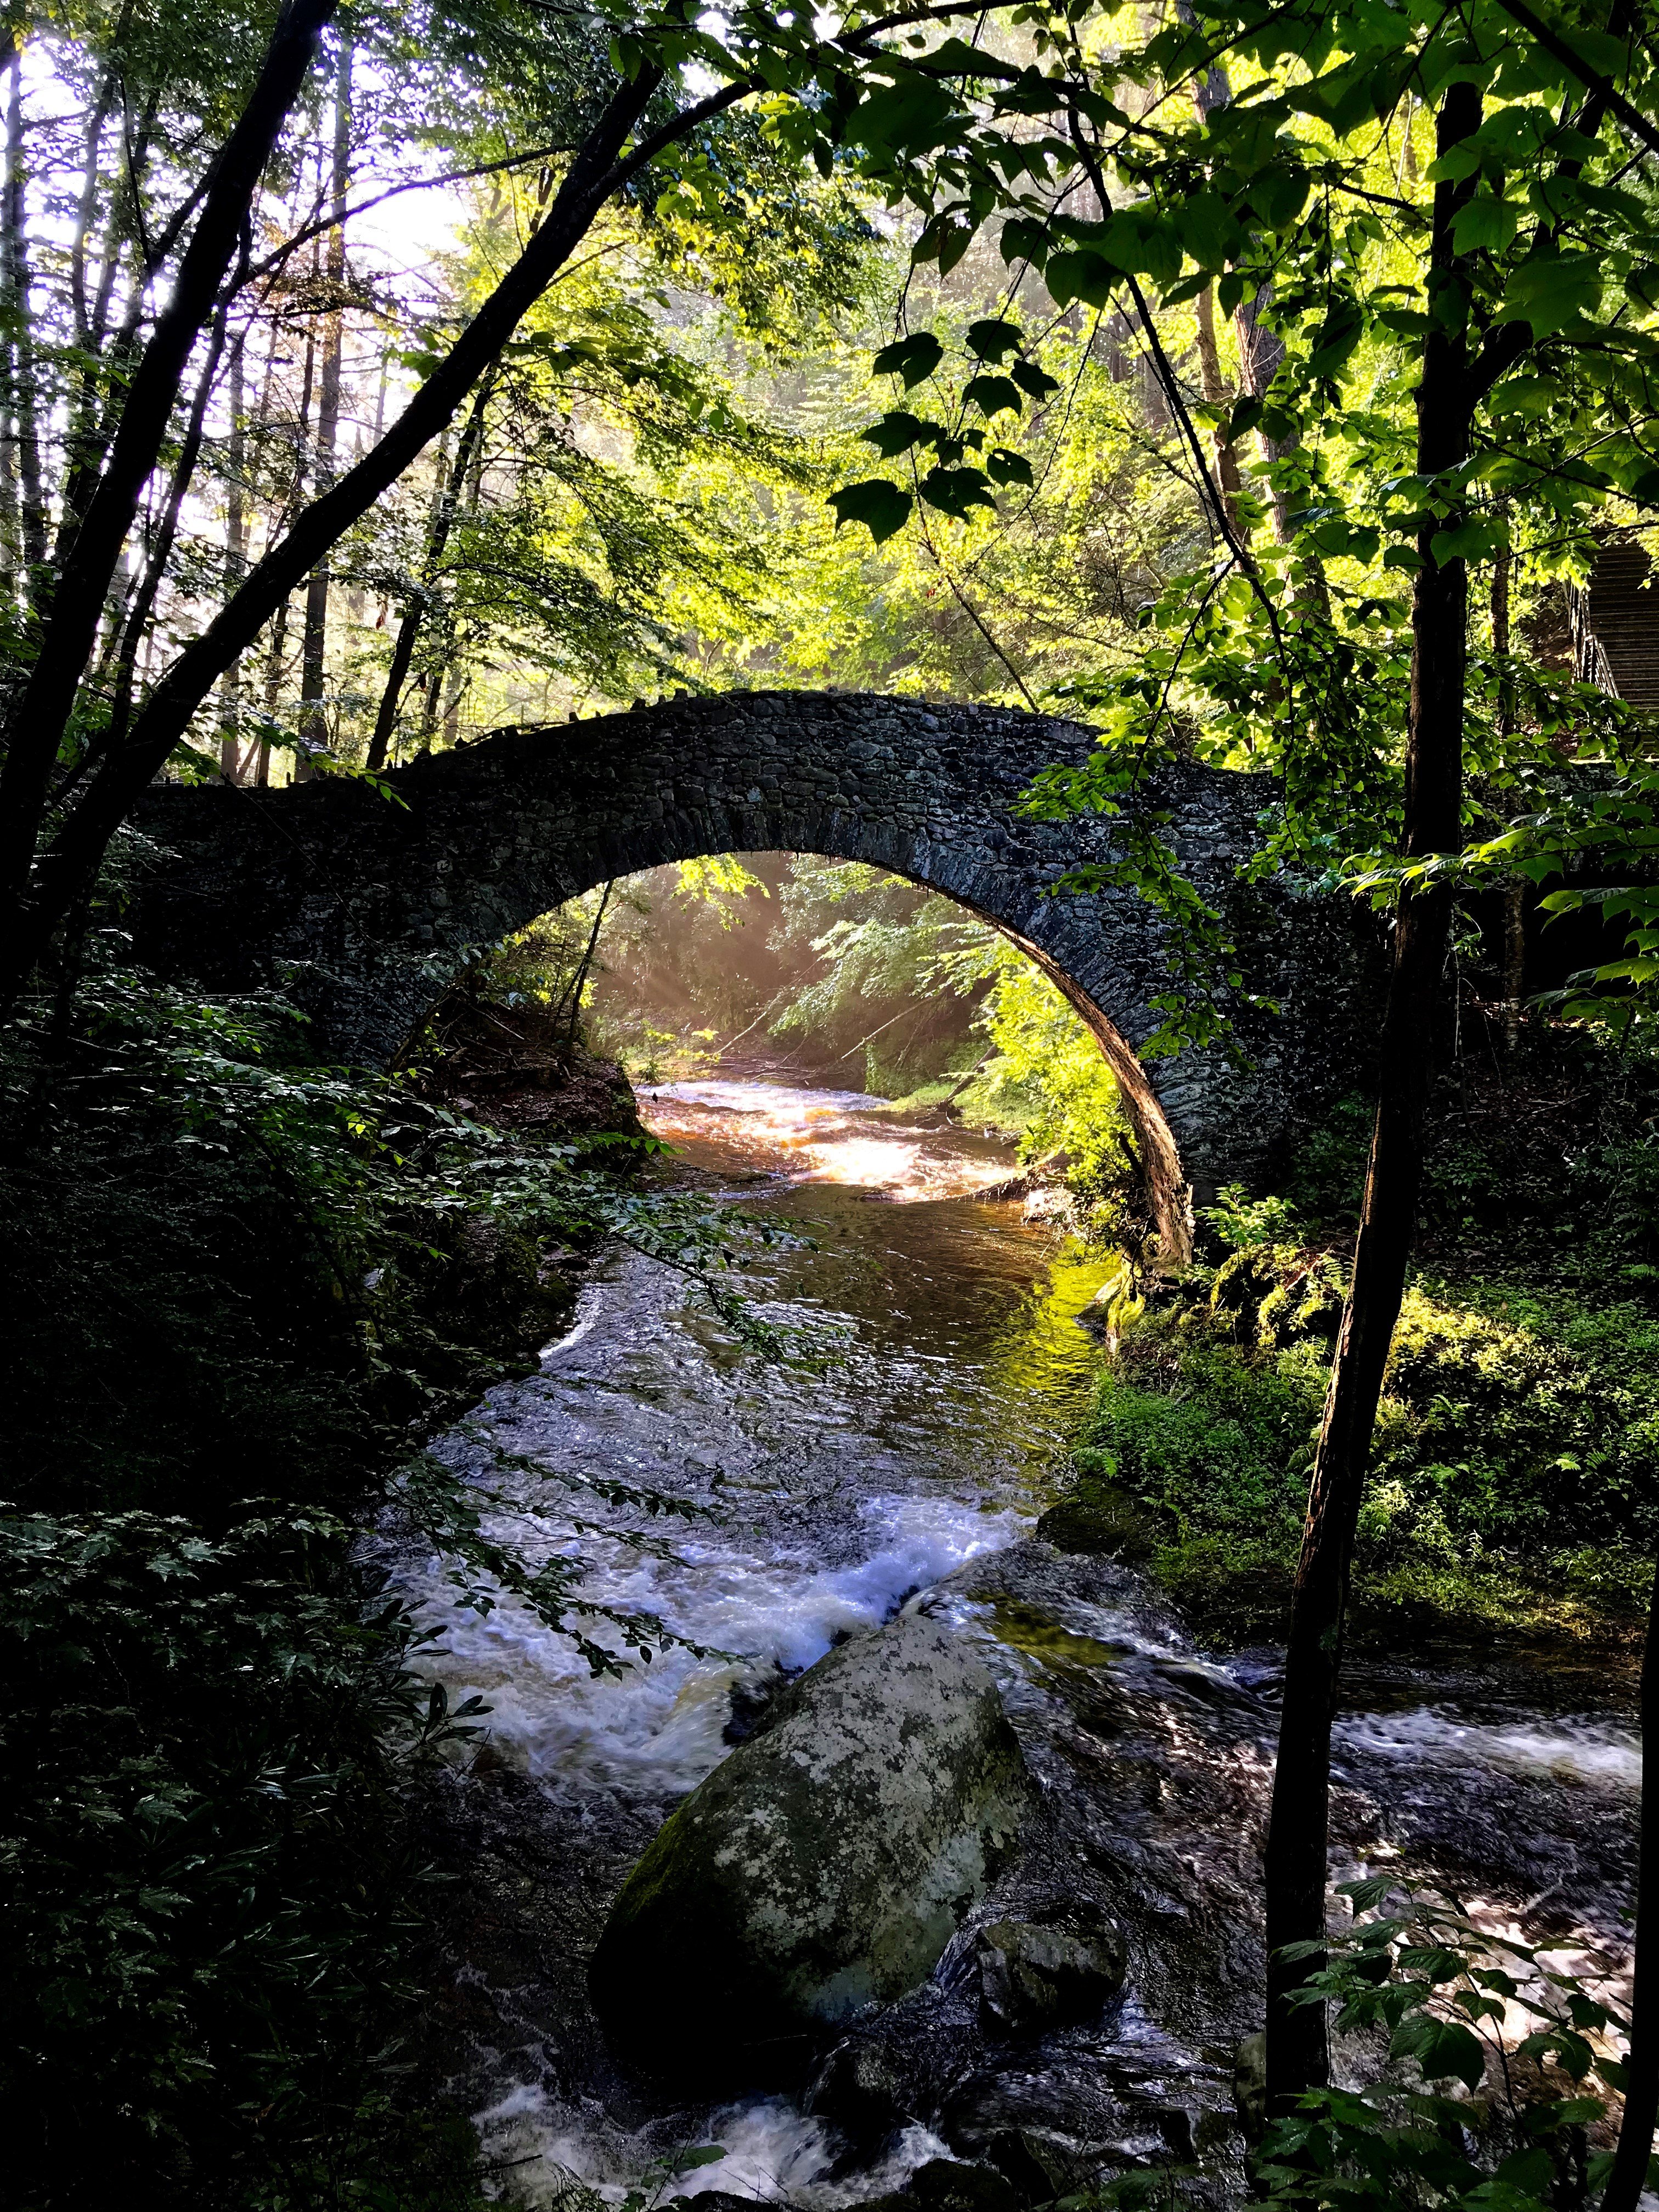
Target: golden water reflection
829	1136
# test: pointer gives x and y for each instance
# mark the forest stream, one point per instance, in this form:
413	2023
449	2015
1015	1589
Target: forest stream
902	1459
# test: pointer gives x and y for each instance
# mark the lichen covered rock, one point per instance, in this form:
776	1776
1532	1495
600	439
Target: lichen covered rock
820	1871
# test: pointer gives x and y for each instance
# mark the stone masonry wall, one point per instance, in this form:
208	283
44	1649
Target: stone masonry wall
363	907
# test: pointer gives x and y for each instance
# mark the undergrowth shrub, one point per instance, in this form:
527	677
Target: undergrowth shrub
1514	1442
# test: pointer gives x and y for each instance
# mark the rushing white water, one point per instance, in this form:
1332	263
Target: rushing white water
771	2151
657	1730
1571	1749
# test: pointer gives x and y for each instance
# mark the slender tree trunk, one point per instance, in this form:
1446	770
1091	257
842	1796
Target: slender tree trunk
1297	2050
1641	2115
408	629
138	626
86	207
1228	481
24	398
277	660
1515	934
313	655
414	615
232	765
11	520
1260	352
579	982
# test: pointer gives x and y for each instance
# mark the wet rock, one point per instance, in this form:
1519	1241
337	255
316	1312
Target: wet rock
1100	1522
821	1870
1036	1975
1250	2087
945	2184
867	2087
1073	2122
1035	2167
901	2066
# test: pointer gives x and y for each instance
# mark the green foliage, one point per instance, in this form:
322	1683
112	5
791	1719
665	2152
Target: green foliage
1508	1476
1465	2010
1241	1221
1288	181
209	1898
1047	1067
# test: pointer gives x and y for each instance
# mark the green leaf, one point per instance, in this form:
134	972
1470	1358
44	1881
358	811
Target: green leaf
700	2154
994	341
1478	539
914	358
1484	224
882	507
1550	290
1003	466
1525	395
1369	1893
897	431
1081	274
1034	381
957	491
992	394
1338	334
1442	2048
1023	240
913	116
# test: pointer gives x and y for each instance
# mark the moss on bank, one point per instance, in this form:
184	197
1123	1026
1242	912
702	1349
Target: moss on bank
1511	1490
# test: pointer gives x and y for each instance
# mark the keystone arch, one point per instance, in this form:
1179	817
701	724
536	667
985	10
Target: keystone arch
365	908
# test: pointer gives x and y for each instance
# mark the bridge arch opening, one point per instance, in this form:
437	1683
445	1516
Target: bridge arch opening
717	954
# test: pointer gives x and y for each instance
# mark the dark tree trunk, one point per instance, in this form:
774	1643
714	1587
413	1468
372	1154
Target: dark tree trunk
408	629
138	632
232	764
1229	483
1297	2051
313	652
23	398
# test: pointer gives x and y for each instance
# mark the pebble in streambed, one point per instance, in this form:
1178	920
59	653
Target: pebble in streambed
909	1472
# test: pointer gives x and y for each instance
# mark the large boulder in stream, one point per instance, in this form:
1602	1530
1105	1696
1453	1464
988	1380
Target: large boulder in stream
821	1870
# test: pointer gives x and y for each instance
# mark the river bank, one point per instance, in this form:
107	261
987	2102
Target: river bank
910	1466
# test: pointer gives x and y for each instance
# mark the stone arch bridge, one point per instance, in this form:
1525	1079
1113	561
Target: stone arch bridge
366	906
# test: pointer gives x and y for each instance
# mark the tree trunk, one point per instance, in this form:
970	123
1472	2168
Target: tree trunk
1515	934
138	628
468	454
313	655
232	765
1297	2051
1260	352
1641	2115
24	398
1228	481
